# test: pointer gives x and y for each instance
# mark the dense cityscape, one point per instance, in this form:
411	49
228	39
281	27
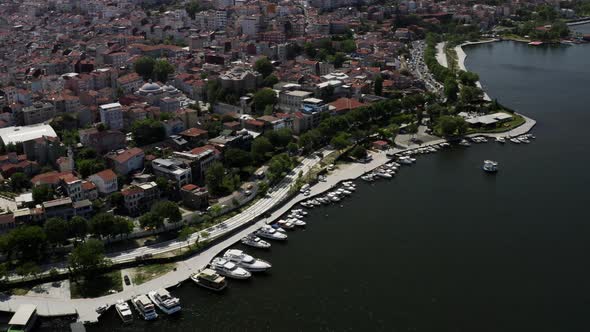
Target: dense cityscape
135	134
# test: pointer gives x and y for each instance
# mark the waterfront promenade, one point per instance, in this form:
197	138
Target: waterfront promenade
85	308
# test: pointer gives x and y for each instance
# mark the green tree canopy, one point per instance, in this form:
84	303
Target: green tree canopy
358	152
379	85
148	131
151	219
144	66
264	66
237	158
167	209
28	241
451	89
56	230
42	193
214	178
19	181
261	149
87	256
192	8
264	97
162	69
78	227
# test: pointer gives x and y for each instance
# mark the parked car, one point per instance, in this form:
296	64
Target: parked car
127	281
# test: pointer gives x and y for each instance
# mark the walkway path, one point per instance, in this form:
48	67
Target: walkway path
85	308
441	55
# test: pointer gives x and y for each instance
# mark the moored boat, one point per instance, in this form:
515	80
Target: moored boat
229	269
490	166
144	307
255	242
246	261
210	279
124	311
165	301
270	233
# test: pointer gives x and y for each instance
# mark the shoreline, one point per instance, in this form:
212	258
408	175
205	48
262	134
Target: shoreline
461	56
85	308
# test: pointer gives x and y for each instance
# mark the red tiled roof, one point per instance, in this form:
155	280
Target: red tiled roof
193	132
106	175
346	104
189	187
124	156
204	148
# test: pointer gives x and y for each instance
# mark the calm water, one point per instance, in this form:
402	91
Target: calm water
443	246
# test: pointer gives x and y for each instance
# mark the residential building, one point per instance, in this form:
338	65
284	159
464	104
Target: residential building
126	161
194	136
173	169
140	197
60	208
199	159
37	113
105	181
102	141
291	101
194	197
111	115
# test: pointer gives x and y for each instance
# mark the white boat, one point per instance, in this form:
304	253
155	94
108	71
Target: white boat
165	301
524	140
254	241
229	269
287	224
490	166
124	311
209	279
268	232
144	307
335	198
300	211
384	174
464	143
405	161
514	140
246	261
501	140
299	222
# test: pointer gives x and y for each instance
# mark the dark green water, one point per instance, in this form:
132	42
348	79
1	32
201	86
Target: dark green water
443	246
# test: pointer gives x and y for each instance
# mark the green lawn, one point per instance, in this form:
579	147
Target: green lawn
146	273
96	286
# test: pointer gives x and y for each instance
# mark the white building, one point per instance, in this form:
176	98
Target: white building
111	115
291	101
173	169
105	181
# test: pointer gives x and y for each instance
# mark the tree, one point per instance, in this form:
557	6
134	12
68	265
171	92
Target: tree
448	125
87	167
42	193
87	256
237	158
340	141
468	78
358	152
451	89
264	66
261	148
151	219
78	227
56	230
122	226
470	94
270	80
116	199
192	8
102	224
162	69
292	148
144	66
263	188
379	85
19	181
264	97
27	269
167	209
338	59
214	178
27	240
148	131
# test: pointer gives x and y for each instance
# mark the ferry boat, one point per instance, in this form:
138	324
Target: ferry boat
229	269
246	261
255	242
144	307
210	279
490	166
164	301
124	311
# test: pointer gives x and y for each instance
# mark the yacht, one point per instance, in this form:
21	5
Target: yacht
210	279
229	269
164	301
490	166
124	311
524	139
299	222
246	261
405	160
514	140
384	174
278	228
144	307
270	233
464	143
300	211
254	241
286	224
501	140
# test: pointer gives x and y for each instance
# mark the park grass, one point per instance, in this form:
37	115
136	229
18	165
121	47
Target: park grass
96	286
146	273
19	291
